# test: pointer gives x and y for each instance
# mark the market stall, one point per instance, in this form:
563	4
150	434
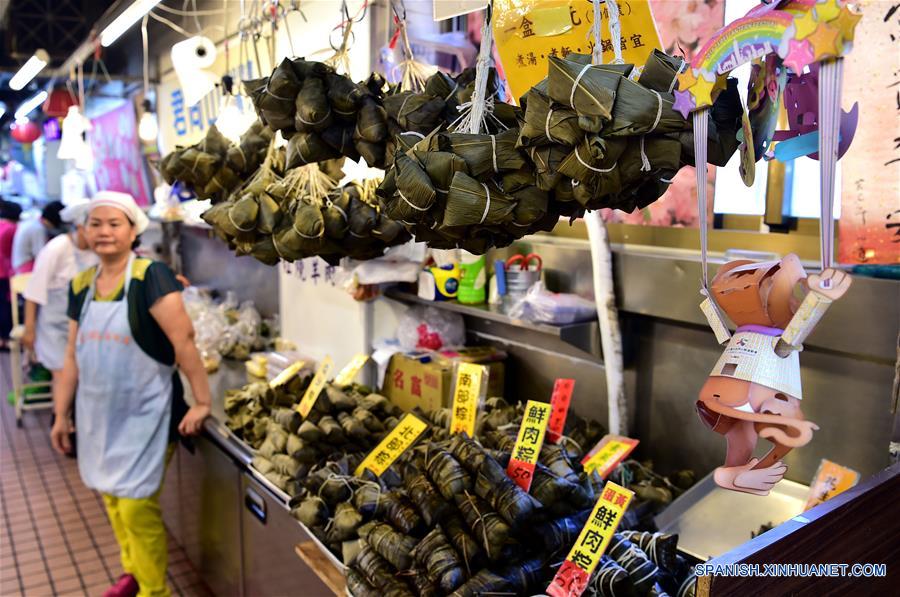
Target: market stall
446	354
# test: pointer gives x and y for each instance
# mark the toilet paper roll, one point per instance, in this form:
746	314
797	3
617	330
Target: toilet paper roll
191	58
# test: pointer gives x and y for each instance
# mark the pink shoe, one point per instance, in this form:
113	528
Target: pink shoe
126	586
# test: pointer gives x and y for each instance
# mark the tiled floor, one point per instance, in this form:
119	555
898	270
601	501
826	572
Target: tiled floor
55	538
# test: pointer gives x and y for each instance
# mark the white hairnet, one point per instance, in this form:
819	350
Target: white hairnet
123	202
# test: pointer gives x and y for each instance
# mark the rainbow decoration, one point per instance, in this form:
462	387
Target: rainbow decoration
800	32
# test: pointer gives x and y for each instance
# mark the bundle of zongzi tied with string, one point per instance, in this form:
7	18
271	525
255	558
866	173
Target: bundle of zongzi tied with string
600	136
203	166
323	115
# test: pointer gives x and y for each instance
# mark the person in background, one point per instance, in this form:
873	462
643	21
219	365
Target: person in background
9	218
32	235
128	331
47	329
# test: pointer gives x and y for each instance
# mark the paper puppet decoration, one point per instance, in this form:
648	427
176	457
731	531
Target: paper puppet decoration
754	389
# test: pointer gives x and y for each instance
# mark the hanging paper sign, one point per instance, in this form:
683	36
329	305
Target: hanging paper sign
348	373
528	444
287	374
315	387
467	390
831	479
608	453
393	445
529	32
807	33
559	407
715	320
446	9
572	577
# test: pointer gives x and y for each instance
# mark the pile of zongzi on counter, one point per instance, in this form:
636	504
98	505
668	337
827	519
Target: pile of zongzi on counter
214	167
601	137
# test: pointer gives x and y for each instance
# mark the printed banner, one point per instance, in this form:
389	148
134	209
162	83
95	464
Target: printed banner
118	165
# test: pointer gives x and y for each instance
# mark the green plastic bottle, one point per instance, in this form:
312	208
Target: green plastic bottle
472	279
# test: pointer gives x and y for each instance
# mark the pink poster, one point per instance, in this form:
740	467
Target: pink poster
118	165
684	26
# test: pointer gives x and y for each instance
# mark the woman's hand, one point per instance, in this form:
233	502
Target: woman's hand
28	338
60	435
192	422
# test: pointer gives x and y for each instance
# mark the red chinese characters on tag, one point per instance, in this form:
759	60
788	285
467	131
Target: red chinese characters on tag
559	407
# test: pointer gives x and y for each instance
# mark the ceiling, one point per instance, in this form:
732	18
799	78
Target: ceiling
60	27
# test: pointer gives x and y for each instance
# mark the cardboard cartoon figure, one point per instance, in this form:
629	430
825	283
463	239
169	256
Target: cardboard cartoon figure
754	389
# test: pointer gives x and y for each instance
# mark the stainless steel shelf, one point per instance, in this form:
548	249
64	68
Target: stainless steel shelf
584	336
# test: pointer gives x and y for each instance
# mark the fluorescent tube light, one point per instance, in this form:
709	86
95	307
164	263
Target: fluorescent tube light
29	70
30	104
125	20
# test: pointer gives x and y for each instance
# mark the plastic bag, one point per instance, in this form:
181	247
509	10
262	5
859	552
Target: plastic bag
430	328
542	306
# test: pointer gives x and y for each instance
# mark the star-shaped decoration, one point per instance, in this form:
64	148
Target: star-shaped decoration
687	79
825	41
702	91
805	25
846	23
720	85
828	10
684	103
799	55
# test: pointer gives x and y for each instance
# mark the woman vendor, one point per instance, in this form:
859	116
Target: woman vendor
47	291
128	331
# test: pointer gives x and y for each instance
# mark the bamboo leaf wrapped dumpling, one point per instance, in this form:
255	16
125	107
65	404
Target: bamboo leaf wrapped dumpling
371	123
313	113
485	154
594	157
473	203
440	167
243	214
414	193
276	104
336	214
415	112
546	122
269	214
589	90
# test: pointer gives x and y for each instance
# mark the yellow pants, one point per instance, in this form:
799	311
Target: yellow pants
138	526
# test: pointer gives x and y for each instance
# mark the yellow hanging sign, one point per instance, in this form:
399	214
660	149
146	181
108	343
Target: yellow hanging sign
315	387
348	373
529	32
393	445
466	398
572	577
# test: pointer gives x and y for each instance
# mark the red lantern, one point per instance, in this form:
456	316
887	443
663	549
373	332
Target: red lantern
57	104
27	132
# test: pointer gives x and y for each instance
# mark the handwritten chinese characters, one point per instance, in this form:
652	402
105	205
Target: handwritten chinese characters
466	398
391	447
528	444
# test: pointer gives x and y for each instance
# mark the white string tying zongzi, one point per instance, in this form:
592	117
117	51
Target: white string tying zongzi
411	204
589	167
645	161
473	121
487	204
233	223
615	31
575	84
547	126
317	122
494	153
675	76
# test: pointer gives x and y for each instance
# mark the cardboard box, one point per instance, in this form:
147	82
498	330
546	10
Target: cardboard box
426	379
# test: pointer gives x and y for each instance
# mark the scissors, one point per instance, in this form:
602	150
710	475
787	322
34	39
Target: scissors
524	261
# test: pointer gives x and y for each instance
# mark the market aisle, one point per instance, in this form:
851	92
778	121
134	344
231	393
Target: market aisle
55	538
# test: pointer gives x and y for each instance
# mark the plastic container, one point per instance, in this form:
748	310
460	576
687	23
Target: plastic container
472	279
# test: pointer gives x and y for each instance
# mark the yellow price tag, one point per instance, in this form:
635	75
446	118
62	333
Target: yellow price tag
315	387
528	444
466	398
529	32
393	445
608	453
348	373
575	572
831	479
287	374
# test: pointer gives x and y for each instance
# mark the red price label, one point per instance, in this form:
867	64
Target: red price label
570	581
559	407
